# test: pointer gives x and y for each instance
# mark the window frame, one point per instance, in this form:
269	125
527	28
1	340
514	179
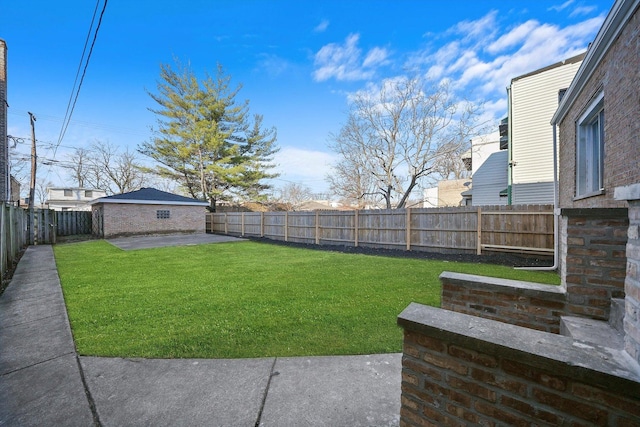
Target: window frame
590	139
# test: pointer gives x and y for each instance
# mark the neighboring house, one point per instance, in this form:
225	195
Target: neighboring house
598	124
532	100
447	193
72	199
488	167
5	185
147	211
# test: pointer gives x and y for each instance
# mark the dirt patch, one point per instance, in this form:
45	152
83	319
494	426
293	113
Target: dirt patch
499	258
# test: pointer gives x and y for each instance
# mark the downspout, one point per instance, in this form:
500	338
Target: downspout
556	210
509	146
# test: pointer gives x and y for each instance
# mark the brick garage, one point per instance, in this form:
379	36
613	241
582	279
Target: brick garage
147	211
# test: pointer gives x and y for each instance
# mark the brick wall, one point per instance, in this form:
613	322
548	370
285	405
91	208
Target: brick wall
519	303
128	219
617	77
593	250
462	370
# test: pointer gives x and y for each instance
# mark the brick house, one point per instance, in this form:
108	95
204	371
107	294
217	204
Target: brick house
598	124
147	211
503	352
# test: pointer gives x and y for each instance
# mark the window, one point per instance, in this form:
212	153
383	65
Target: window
88	193
590	150
163	214
67	193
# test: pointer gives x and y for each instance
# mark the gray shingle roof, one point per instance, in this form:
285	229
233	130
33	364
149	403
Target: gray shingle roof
150	195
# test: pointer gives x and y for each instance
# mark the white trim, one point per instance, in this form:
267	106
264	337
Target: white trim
590	110
615	21
148	202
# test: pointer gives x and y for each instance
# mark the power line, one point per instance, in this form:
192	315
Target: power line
84	49
63	130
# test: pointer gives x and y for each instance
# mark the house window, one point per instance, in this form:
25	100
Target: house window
88	193
67	193
590	150
163	214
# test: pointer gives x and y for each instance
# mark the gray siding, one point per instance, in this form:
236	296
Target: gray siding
532	193
489	180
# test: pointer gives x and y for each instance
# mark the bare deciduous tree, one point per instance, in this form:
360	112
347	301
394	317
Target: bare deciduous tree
293	195
80	163
399	134
103	166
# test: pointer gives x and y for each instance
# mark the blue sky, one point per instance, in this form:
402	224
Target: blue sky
298	61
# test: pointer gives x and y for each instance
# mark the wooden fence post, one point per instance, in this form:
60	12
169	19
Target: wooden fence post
226	224
261	224
408	228
286	226
242	224
479	244
317	227
355	226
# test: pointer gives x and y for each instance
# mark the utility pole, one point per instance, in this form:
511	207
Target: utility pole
32	186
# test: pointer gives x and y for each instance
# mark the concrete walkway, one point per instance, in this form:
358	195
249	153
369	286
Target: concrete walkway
43	382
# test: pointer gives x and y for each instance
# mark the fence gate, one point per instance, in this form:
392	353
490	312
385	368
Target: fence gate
45	224
70	223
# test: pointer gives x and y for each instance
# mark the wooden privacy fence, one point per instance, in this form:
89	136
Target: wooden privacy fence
48	224
469	229
13	235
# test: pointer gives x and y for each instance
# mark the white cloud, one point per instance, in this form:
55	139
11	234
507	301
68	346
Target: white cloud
376	56
562	6
309	167
582	10
474	68
477	30
513	37
273	65
343	61
322	26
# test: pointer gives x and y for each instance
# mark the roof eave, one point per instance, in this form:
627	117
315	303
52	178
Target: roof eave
618	15
148	202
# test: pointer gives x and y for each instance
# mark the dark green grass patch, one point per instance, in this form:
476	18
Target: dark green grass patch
245	299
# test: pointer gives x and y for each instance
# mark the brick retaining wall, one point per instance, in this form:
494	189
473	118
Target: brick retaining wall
531	305
460	370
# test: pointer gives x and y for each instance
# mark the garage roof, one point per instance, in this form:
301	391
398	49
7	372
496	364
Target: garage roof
150	196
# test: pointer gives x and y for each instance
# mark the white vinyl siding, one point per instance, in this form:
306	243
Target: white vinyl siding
534	100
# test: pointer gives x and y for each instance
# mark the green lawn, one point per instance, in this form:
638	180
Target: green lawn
245	299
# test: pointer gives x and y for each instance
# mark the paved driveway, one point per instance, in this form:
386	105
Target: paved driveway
158	241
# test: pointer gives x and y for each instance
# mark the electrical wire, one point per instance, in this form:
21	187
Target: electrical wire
65	123
75	82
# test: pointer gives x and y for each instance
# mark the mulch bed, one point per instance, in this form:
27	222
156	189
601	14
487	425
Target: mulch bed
499	258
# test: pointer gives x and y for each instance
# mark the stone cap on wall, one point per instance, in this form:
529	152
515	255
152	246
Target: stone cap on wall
629	192
551	292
